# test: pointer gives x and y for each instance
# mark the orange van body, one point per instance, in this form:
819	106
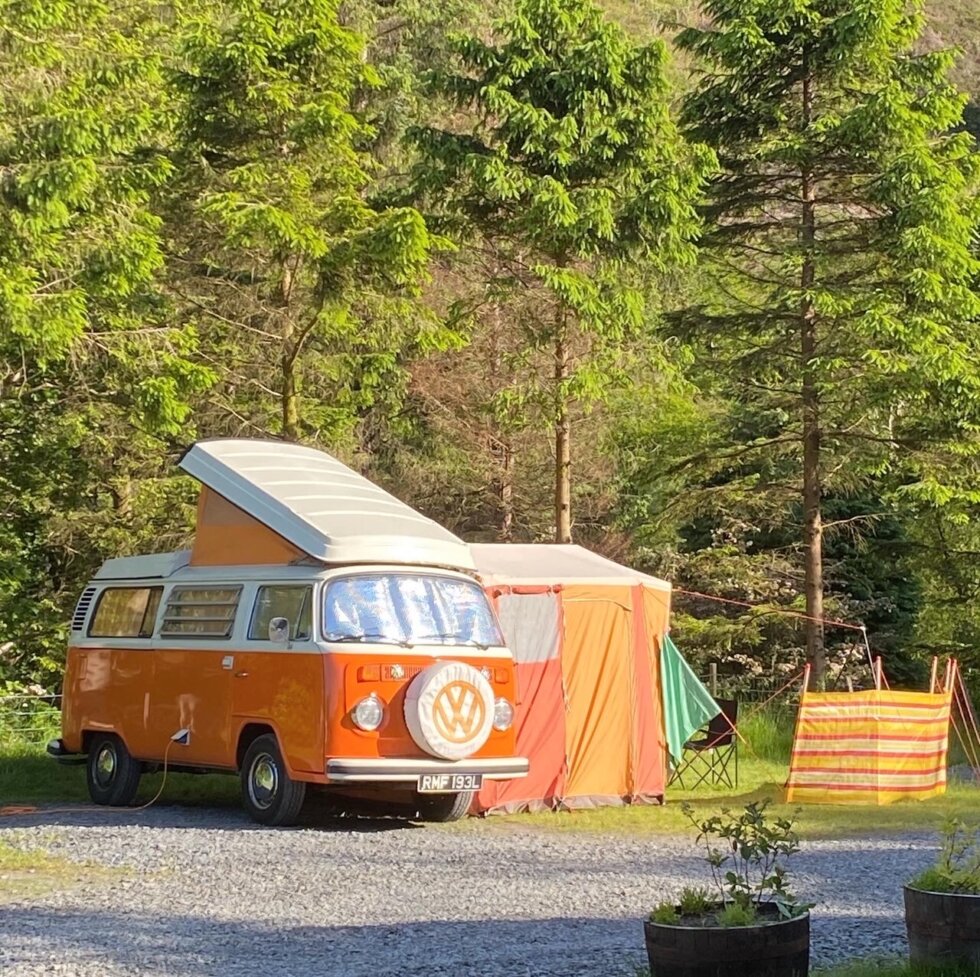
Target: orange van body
146	695
144	690
320	631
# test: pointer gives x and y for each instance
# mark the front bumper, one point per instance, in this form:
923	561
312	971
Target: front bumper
61	753
383	771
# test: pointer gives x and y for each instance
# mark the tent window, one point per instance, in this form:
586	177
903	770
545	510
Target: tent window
293	603
202	612
126	612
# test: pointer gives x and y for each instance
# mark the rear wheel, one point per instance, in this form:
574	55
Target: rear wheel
268	793
113	776
444	807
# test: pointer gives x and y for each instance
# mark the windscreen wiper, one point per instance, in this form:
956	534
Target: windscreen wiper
455	635
386	639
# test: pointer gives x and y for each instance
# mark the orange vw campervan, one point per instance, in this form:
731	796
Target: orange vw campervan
319	632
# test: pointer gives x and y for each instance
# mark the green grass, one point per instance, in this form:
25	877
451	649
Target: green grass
763	768
891	968
29	776
29	874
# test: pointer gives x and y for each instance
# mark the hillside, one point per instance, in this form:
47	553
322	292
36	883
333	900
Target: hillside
954	24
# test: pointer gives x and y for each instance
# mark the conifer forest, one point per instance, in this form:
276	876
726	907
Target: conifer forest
694	285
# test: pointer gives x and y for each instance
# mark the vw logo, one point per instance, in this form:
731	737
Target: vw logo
458	711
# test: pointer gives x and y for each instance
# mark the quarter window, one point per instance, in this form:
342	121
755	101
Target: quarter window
293	603
201	612
126	612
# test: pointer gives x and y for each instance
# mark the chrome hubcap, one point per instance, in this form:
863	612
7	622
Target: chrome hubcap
105	765
263	781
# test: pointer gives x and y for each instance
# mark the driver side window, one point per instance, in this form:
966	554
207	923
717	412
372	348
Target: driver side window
282	600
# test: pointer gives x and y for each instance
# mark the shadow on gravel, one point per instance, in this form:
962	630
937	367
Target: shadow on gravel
313	817
199	946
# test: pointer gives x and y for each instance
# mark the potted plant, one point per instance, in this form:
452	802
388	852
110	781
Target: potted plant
749	924
942	904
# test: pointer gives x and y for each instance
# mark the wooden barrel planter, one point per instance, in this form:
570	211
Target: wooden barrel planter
942	927
773	947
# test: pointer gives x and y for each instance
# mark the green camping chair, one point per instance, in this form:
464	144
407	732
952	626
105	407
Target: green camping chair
712	758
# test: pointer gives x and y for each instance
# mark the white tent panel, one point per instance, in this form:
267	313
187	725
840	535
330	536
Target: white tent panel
530	626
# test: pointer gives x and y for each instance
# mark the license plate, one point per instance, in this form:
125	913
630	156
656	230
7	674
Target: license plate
449	783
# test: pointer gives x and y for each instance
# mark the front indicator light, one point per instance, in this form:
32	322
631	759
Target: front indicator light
368	713
503	715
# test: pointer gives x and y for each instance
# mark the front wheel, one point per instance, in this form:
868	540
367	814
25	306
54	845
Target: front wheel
113	776
268	793
443	807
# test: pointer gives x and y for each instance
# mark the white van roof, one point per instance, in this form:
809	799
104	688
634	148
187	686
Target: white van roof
143	567
321	506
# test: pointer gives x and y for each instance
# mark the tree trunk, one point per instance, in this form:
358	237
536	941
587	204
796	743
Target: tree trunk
507	493
563	456
501	447
812	526
289	395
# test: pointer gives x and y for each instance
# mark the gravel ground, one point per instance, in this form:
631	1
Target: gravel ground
207	893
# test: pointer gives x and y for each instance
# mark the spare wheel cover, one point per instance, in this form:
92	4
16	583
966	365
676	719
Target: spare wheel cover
449	710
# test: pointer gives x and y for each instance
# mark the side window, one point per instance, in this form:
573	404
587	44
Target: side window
291	602
200	612
126	612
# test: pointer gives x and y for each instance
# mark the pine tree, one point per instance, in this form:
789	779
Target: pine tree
563	168
94	373
841	306
280	254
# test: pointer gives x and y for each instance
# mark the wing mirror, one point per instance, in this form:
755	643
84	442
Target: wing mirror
279	630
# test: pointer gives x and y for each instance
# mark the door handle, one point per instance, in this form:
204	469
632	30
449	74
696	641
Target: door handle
242	674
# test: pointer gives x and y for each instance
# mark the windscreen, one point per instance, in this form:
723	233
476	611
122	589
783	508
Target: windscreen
408	609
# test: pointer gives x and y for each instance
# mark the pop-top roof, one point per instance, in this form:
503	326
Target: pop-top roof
321	506
552	563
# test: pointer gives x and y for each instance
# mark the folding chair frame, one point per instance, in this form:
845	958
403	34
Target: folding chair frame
709	759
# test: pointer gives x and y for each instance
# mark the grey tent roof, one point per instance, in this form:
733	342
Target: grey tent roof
551	563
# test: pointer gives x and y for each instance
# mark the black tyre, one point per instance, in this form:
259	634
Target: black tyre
113	776
444	807
268	793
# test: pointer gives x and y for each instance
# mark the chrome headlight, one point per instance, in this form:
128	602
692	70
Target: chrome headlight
368	713
503	715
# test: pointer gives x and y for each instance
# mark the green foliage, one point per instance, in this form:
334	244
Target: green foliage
957	869
737	914
746	851
77	241
665	913
280	254
838	293
200	235
26	719
694	900
93	369
563	171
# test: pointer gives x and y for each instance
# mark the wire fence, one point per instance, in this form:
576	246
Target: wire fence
29	719
752	688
